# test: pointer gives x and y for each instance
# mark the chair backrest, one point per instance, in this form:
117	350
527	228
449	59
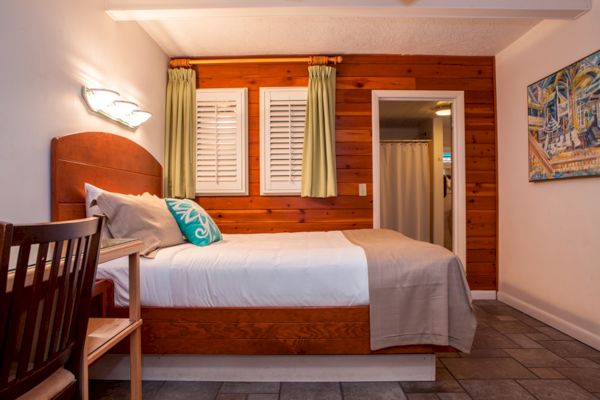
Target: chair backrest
44	301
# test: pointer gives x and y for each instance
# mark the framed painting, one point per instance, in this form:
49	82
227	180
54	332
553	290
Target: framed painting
564	122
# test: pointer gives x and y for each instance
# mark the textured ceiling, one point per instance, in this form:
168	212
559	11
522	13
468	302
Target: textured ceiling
256	35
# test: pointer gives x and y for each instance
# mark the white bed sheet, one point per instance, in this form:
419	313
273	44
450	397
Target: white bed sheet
250	270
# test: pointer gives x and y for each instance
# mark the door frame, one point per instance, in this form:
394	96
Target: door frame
459	220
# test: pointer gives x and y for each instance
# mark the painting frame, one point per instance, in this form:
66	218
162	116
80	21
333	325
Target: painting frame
563	118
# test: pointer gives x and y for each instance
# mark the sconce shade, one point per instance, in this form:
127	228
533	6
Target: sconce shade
138	117
122	108
98	99
108	103
443	112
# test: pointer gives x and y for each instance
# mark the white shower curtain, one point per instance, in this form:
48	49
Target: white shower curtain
406	188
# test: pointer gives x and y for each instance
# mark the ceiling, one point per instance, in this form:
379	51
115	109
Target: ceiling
405	113
230	36
197	28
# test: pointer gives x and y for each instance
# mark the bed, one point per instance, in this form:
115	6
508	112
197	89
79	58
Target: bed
331	319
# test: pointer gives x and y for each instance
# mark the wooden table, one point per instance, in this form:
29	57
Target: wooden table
104	333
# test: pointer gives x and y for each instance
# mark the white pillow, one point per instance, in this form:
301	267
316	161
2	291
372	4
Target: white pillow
91	194
146	218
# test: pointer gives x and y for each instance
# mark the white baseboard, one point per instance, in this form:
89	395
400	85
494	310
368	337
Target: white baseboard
380	367
483	294
586	336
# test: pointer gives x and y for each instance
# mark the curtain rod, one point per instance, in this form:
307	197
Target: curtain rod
313	60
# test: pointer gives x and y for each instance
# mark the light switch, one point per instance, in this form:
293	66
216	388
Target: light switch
362	189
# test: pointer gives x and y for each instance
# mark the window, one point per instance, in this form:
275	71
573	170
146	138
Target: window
282	114
221	142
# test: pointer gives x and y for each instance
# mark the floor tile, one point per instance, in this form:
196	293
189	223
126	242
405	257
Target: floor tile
513	327
188	390
538	336
372	391
487	368
231	396
505	318
538	358
310	391
487	338
588	378
486	353
553	333
526	319
250	387
453	396
582	362
482	315
444	382
263	396
495	390
523	341
570	348
422	396
556	390
547	373
496	309
101	389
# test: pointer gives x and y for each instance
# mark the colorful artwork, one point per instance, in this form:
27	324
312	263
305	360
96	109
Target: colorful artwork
564	122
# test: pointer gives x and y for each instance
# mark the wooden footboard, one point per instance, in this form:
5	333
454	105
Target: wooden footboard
257	331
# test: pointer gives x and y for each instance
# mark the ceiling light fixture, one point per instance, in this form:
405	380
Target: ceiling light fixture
108	103
443	112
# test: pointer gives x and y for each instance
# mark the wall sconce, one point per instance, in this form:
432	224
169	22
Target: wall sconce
108	103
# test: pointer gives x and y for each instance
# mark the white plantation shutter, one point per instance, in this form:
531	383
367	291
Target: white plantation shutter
221	141
283	113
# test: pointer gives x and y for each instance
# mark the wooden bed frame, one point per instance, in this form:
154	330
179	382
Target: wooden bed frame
117	164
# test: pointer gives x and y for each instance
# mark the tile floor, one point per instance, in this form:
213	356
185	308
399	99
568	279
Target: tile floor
514	357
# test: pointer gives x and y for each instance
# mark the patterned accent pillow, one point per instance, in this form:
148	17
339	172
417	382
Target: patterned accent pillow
195	223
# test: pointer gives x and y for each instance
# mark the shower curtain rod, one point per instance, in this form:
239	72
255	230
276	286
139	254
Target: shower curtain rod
405	141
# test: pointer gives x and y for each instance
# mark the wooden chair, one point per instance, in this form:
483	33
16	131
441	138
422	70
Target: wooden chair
44	305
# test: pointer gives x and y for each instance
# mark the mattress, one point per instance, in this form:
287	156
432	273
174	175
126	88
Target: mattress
250	270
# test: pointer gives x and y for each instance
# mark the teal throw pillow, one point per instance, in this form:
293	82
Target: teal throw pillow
195	223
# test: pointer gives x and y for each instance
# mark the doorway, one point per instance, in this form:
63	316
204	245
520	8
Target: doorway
418	166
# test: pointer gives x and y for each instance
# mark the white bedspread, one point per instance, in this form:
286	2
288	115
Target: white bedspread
253	270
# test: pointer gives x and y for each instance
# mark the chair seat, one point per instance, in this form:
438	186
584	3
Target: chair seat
52	386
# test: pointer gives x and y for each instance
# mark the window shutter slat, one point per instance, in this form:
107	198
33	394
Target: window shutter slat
283	114
221	142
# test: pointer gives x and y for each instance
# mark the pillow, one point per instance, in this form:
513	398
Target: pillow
91	207
195	223
144	217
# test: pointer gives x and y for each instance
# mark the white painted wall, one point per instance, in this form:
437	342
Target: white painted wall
48	50
549	232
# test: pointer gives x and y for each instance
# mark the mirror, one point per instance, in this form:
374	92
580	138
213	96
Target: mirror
415	147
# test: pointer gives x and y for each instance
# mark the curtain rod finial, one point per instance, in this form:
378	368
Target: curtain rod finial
180	63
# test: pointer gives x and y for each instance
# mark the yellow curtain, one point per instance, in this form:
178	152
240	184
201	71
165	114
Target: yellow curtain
318	161
180	134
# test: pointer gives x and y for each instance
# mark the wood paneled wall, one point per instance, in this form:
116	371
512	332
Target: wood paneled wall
356	77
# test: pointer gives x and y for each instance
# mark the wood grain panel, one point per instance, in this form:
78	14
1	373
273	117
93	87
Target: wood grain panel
252	331
357	76
82	158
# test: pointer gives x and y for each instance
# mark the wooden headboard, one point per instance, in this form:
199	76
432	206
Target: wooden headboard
105	160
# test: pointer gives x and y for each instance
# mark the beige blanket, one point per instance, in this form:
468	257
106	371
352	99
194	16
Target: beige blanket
418	292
